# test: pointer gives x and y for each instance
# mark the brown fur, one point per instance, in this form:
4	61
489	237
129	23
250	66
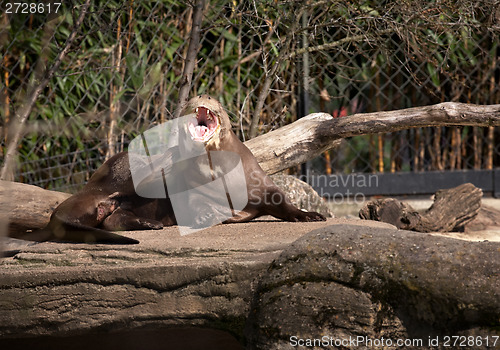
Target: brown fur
108	202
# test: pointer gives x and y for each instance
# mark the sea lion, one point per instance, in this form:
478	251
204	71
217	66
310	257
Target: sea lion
78	219
110	200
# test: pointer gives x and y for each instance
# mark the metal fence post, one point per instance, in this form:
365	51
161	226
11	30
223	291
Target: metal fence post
304	87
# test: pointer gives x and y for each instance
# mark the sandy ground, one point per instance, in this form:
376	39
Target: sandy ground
265	235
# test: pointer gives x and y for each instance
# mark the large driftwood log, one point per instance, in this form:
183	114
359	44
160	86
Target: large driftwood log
310	136
292	144
451	211
27	206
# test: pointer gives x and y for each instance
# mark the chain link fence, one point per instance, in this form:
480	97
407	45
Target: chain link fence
121	76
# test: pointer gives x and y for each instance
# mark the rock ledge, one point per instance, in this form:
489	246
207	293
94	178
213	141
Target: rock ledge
263	282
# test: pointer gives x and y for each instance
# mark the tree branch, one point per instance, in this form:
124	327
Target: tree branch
442	114
270	75
308	137
329	46
194	44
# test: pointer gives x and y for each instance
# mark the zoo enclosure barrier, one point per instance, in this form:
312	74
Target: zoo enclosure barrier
267	62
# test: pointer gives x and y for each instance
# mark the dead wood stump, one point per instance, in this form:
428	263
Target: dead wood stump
451	211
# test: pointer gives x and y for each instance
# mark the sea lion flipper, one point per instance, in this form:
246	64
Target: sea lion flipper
124	220
242	216
67	232
37	235
9	246
96	235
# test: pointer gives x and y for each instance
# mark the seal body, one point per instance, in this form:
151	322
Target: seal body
109	201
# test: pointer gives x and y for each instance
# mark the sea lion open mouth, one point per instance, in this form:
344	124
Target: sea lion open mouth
205	125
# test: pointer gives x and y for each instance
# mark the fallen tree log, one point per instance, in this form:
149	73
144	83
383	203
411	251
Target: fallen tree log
451	211
308	137
27	206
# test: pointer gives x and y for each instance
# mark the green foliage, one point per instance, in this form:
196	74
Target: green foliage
128	60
